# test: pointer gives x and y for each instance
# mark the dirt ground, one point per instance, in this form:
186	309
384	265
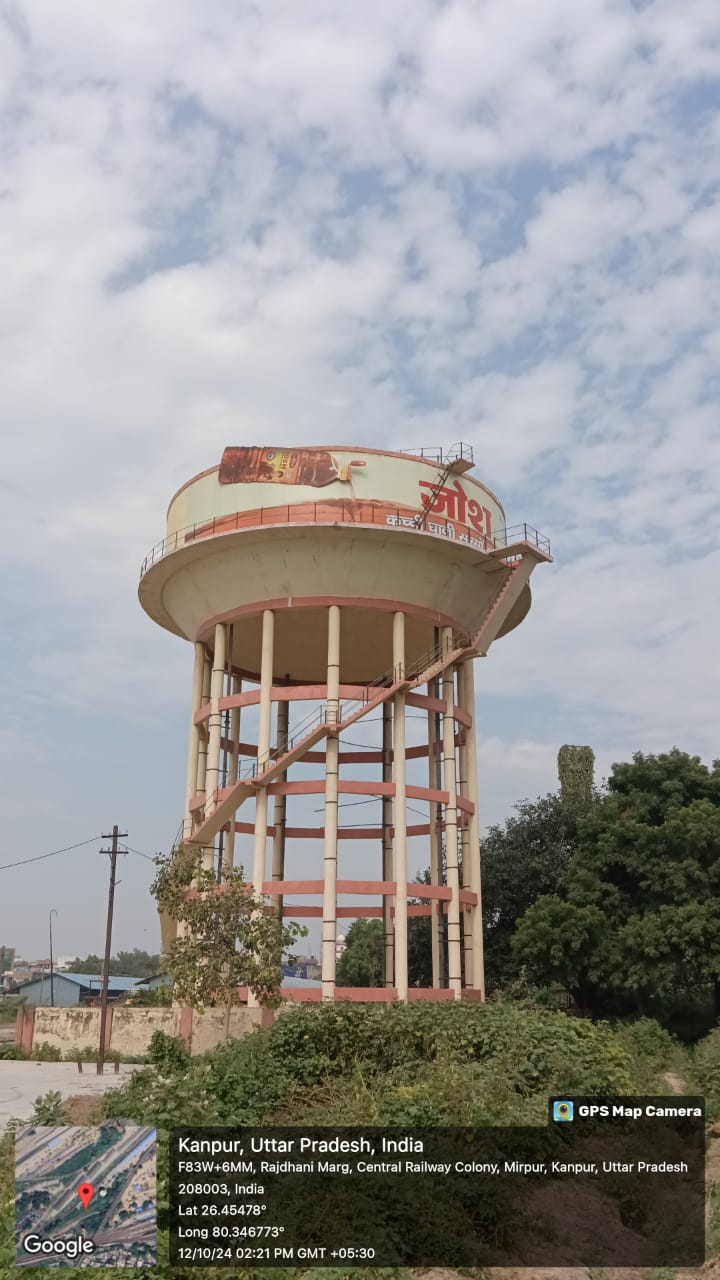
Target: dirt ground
710	1271
21	1082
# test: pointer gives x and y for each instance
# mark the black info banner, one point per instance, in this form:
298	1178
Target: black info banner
609	1182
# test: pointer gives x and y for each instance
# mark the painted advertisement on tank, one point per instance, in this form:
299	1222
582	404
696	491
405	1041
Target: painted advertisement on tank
274	484
316	467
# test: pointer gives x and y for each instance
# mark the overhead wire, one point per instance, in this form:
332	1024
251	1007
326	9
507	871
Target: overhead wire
53	854
140	854
40	857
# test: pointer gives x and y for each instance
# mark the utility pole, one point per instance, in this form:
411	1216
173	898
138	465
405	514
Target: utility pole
52	969
113	855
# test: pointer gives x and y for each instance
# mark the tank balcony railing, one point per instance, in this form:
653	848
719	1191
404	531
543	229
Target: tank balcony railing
356	511
436	453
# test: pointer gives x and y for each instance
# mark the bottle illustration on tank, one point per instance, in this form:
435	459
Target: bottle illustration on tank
253	465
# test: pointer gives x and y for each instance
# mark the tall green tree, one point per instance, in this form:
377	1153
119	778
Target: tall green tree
361	963
521	860
638	921
228	939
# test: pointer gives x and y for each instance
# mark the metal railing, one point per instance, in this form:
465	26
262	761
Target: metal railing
317	717
428	659
360	512
522	533
436	453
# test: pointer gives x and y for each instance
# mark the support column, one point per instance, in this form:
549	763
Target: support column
233	771
387	849
261	799
435	836
464	835
265	726
213	776
332	768
400	815
194	745
451	828
280	807
473	849
203	742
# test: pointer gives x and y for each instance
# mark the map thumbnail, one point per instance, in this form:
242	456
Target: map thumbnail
85	1197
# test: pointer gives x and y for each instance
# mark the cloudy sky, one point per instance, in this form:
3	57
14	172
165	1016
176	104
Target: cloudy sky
399	224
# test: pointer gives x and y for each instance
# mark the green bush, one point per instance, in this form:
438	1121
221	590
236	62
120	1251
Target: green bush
9	1006
248	1079
50	1109
706	1072
9	1051
46	1053
539	1048
412	1064
168	1102
168	1053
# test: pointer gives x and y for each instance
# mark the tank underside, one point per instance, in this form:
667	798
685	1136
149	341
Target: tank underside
298	572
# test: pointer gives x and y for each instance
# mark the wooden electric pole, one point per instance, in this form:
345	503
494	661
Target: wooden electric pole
113	855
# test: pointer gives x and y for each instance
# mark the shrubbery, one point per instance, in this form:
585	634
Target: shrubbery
8	1050
418	1064
706	1071
396	1064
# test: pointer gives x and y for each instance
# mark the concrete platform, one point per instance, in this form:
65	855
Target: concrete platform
22	1082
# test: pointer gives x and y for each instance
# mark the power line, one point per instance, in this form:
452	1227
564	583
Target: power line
140	854
39	858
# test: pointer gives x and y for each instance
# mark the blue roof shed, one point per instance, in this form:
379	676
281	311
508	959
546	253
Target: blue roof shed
72	988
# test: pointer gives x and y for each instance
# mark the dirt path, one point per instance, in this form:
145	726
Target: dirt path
710	1271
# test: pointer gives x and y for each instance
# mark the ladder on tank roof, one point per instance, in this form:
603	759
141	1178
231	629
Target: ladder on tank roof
458	458
326	720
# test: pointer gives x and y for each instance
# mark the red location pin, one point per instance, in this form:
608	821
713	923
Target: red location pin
86	1193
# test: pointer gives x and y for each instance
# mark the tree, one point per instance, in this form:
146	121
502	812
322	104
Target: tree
526	857
128	964
228	939
522	860
638	922
576	770
135	963
361	963
91	964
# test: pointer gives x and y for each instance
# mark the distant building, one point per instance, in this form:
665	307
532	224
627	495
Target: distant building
154	981
23	971
71	989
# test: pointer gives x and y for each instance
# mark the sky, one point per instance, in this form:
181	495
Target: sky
493	221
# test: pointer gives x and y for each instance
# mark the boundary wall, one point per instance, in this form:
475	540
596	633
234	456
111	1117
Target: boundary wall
129	1031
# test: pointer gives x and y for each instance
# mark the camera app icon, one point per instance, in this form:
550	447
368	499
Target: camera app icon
563	1111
